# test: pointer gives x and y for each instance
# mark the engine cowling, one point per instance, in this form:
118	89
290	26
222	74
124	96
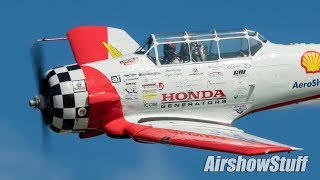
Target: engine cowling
65	99
67	94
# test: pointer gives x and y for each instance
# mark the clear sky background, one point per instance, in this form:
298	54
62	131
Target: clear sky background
102	158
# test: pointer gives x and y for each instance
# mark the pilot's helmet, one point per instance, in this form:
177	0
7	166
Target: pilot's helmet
172	48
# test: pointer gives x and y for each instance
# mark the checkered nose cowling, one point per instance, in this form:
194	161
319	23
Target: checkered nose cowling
66	99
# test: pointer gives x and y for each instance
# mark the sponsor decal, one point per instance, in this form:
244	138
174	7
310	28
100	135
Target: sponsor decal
239	66
215	74
195	72
131	83
246	164
205	94
187	83
130	79
79	86
310	61
180	83
160	85
130	75
82	111
149	104
239	108
115	79
149	73
150	86
130	61
131	98
213	83
193	99
131	90
240	94
150	95
313	83
238	73
175	72
112	50
149	91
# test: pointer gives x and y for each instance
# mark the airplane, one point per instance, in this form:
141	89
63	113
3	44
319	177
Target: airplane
181	89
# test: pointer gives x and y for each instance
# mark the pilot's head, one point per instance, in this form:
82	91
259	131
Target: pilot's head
171	48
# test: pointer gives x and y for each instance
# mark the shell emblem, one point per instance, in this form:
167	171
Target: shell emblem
310	61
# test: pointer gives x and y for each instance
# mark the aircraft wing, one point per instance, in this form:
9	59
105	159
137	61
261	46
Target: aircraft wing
203	136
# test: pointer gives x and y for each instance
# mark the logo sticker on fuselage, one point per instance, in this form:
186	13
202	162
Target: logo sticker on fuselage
79	86
310	61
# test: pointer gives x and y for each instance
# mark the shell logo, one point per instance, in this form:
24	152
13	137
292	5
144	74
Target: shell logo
310	61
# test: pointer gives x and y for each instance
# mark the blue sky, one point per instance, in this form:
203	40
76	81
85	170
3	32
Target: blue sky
22	21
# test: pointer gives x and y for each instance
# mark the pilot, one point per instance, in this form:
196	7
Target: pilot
198	51
169	52
184	52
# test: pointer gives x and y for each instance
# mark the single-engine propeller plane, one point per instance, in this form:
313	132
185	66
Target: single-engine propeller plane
181	89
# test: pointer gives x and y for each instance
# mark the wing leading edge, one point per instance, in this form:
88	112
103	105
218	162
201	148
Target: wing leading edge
215	137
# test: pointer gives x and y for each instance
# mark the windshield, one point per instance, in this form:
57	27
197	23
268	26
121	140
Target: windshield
145	46
262	38
256	34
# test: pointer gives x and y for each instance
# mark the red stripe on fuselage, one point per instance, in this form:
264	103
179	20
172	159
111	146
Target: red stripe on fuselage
273	106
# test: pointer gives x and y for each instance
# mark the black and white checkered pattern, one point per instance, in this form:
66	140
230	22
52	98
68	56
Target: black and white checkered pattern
69	97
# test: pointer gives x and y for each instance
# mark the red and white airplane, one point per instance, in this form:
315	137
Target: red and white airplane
181	89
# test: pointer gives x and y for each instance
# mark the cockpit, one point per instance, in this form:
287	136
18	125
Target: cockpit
201	46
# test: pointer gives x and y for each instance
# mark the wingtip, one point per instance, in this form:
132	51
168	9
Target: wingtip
296	149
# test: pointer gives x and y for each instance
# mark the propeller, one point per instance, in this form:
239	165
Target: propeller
40	100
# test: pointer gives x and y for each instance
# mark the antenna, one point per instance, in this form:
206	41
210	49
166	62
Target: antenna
52	39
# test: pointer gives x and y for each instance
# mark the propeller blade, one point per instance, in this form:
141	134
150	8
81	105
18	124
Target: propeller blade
46	141
37	61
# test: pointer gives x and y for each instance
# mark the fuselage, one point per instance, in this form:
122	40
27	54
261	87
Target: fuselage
217	91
